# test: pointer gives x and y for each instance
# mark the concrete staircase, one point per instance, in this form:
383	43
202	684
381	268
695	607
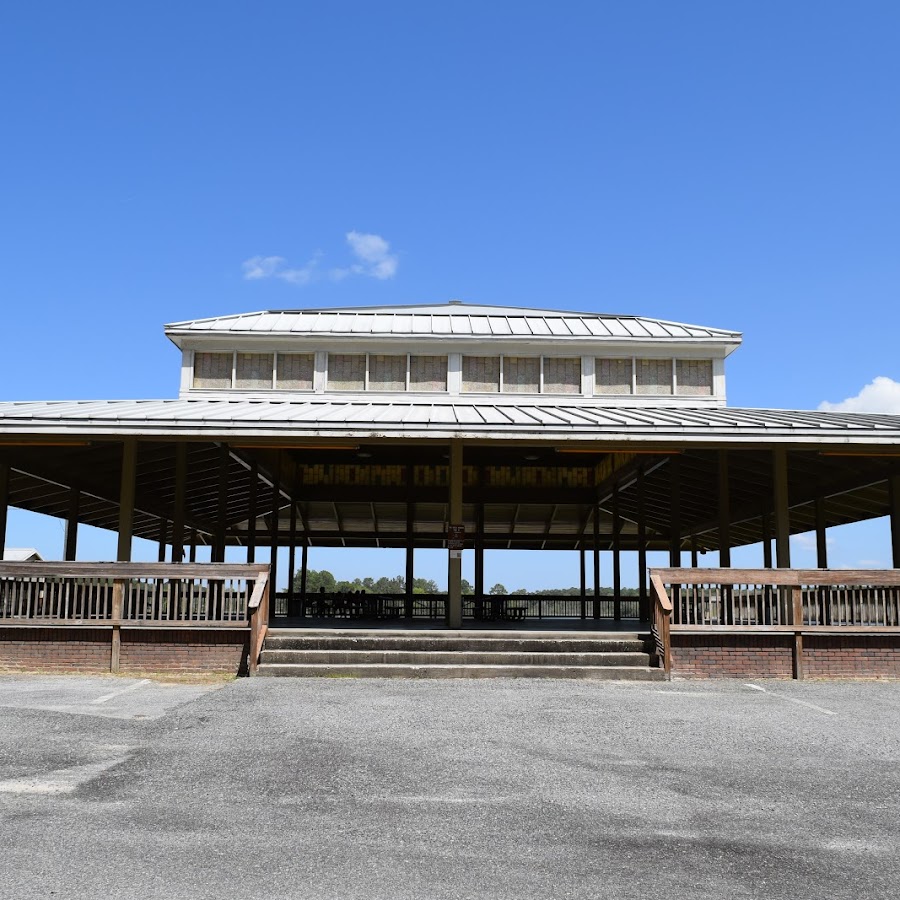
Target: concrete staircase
359	653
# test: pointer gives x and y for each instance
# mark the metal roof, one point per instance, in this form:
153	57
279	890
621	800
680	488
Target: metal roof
444	419
451	320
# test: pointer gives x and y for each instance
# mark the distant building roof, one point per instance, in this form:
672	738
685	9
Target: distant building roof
449	320
21	554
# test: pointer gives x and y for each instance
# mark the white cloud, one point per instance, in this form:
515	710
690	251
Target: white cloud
371	251
882	395
262	266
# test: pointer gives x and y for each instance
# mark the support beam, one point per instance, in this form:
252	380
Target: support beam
675	512
70	550
583	572
178	505
292	559
724	511
643	598
617	556
766	525
161	548
193	550
479	554
304	565
252	512
410	541
218	549
596	552
782	509
821	535
4	504
454	565
894	483
273	542
126	499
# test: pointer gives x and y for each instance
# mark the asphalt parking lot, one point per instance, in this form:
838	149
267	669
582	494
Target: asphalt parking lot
343	788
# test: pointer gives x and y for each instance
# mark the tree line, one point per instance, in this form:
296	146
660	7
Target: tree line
317	580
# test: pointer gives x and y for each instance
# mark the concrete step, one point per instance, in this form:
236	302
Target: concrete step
409	670
437	641
305	656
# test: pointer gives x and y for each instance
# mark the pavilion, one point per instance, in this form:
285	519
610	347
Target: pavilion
499	427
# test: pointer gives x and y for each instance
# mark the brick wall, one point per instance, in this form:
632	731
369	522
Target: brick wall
149	650
732	656
856	655
770	656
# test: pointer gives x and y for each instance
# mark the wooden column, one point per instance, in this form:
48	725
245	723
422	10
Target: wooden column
454	566
252	513
894	484
161	548
583	571
4	504
292	558
766	525
192	557
643	598
724	511
782	509
479	554
821	535
273	537
126	499
70	550
218	548
617	555
675	512
694	552
178	505
304	560
596	552
410	541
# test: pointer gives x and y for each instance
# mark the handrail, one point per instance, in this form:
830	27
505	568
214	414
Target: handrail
661	627
797	602
258	612
786	577
68	569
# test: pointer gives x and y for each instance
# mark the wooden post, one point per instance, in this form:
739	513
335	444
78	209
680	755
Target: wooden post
127	489
252	513
292	558
218	549
821	536
304	560
454	570
178	506
596	552
894	486
694	552
161	549
617	557
4	504
479	544
675	512
643	597
782	509
724	512
410	543
193	549
71	542
766	526
797	622
583	570
118	604
273	544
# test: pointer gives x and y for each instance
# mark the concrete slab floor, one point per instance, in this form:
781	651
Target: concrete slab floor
343	788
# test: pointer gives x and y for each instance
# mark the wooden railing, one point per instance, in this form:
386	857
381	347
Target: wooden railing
135	595
796	601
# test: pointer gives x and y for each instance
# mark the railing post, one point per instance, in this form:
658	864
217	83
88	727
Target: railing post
797	604
118	606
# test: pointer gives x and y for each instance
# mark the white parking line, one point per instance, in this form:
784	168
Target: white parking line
124	690
821	709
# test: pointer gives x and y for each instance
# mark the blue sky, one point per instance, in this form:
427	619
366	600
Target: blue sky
731	164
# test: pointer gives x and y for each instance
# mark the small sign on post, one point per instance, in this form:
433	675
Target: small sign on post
456	537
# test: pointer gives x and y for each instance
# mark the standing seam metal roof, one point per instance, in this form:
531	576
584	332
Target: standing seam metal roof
452	320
